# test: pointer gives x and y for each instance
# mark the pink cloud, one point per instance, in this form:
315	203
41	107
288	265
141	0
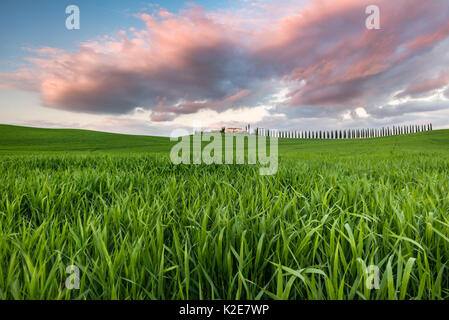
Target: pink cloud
329	47
182	63
163	112
22	80
426	85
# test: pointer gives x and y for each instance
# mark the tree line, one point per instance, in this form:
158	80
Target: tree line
345	133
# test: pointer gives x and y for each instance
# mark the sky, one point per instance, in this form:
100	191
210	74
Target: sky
146	67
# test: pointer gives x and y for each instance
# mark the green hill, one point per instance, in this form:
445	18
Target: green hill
18	139
140	227
15	139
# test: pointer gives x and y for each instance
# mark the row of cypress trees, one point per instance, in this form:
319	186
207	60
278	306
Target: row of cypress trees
345	133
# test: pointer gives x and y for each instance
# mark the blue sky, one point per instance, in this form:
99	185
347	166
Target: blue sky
151	67
37	23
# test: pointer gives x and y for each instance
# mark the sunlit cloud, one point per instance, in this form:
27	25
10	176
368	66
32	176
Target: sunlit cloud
305	60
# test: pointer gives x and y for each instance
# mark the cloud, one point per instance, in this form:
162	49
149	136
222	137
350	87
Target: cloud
426	86
22	80
165	113
181	64
446	93
329	47
410	107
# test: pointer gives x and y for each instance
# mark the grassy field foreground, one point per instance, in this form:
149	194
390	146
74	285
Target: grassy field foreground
139	227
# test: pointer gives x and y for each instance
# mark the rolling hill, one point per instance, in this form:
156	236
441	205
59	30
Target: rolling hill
16	139
140	227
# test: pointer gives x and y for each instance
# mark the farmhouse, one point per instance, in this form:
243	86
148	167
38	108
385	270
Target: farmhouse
234	130
237	130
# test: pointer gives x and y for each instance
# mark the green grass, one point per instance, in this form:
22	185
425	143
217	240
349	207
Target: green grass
140	227
23	140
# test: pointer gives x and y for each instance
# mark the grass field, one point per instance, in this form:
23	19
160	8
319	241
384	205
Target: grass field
139	227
